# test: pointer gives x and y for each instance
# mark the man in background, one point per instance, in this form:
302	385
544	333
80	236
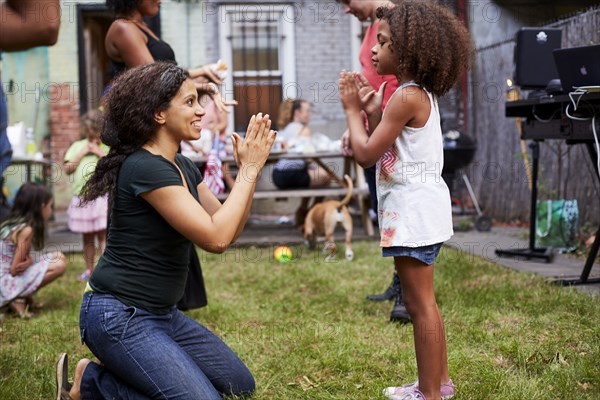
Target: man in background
365	10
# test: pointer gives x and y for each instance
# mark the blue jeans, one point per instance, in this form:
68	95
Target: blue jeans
155	356
5	147
370	173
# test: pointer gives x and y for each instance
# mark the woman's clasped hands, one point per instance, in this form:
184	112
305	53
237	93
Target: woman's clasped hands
251	152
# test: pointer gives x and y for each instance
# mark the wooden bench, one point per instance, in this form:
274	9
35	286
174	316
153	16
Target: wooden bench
361	194
301	193
360	191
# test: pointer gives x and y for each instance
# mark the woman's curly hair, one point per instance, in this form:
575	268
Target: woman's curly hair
431	45
121	7
133	100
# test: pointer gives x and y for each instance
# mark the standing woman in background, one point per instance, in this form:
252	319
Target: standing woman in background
367	11
130	42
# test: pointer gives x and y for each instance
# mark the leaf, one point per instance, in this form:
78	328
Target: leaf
561	359
533	357
584	385
307	384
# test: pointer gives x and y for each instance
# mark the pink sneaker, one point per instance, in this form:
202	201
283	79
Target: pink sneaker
447	391
406	392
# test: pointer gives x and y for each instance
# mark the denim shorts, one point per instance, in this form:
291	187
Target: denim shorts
425	254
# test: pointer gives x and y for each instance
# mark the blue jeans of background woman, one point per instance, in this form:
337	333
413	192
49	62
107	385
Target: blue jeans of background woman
371	183
5	152
158	356
5	147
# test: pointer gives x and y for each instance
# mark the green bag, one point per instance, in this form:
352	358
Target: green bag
557	224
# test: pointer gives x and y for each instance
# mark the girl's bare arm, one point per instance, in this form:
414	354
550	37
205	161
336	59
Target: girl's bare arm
22	259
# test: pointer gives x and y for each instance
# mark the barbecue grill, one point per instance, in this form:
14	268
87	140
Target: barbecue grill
459	150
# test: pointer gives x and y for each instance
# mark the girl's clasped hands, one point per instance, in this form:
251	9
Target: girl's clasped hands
357	94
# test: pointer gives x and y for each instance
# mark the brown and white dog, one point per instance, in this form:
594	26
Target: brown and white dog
322	220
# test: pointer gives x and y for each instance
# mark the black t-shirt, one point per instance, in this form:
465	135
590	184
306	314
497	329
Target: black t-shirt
146	260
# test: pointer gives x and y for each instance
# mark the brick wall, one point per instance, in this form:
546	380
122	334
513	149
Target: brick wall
64	130
323	48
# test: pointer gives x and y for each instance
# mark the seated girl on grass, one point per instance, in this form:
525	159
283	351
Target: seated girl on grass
20	275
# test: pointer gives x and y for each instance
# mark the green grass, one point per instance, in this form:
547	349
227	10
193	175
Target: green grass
307	332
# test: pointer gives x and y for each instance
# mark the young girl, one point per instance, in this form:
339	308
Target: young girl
427	48
20	275
80	162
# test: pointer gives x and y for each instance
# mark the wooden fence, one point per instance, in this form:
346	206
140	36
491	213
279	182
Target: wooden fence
498	172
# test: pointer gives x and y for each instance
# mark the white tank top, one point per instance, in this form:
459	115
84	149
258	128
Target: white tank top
414	201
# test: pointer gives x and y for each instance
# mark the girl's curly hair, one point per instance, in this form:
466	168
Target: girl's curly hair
120	7
133	100
91	123
431	45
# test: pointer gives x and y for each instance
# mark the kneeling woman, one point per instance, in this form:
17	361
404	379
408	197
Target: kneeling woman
159	208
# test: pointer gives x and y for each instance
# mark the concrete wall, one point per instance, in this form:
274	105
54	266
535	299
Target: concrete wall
182	27
322	40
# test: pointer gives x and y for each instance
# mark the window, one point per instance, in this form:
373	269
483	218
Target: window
92	24
257	43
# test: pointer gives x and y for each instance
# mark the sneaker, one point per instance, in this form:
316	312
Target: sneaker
406	392
447	390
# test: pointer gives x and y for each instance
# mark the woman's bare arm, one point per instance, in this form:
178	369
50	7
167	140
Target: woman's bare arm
125	43
28	23
215	232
